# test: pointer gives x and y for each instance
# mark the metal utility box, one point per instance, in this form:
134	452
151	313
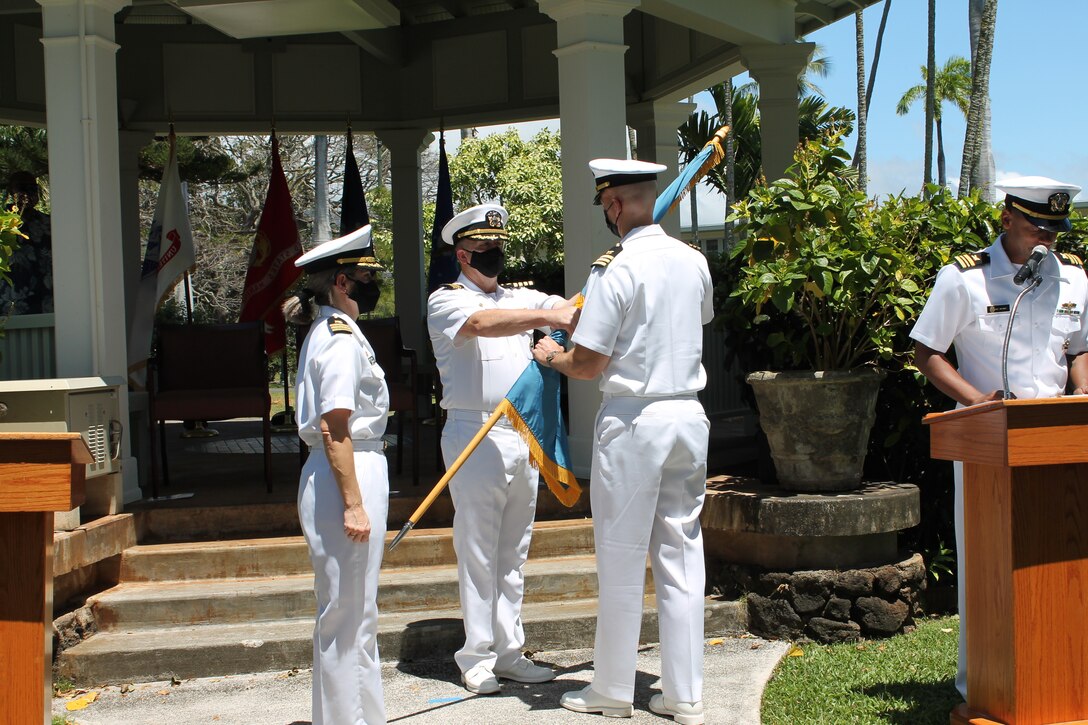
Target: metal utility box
89	406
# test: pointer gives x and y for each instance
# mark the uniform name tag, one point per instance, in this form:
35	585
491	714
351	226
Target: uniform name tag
997	308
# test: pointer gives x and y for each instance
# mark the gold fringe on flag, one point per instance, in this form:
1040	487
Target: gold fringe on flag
717	141
561	482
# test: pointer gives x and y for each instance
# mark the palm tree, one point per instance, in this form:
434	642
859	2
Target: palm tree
815	119
952	84
931	96
863	122
980	91
984	168
859	45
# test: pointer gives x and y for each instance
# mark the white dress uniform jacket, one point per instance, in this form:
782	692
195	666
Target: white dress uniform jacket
337	370
969	309
646	302
494	492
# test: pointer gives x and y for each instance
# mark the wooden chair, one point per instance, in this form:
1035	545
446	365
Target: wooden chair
208	372
402	377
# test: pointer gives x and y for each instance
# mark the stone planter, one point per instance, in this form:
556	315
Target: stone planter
817	425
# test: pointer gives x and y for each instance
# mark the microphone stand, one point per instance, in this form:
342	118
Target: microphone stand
1036	280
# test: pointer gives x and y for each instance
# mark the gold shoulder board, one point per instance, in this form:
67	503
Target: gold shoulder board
452	285
338	326
971	261
696	247
1071	259
606	259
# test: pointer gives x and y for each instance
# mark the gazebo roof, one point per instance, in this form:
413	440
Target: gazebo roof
235	66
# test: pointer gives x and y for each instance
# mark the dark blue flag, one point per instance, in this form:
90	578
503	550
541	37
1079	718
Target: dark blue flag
444	268
353	211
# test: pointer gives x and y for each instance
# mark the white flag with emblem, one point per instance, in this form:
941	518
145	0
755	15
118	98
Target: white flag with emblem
169	255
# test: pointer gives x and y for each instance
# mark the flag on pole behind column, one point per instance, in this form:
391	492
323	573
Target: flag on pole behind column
169	255
353	212
443	268
271	269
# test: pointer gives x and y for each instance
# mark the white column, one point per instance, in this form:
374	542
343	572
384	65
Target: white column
776	69
81	103
405	146
655	124
592	118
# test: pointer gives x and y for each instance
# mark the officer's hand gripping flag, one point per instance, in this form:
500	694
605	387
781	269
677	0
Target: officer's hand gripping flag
532	407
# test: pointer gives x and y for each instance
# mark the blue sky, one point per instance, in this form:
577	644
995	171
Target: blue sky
1037	108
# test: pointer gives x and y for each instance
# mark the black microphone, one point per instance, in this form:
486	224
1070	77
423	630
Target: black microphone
1038	254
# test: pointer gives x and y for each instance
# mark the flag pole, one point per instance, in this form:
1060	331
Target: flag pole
441	485
188	299
286	419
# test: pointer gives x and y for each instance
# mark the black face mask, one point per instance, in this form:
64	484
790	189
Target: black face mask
366	294
488	263
611	225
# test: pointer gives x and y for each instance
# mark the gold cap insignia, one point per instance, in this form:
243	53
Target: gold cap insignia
1059	202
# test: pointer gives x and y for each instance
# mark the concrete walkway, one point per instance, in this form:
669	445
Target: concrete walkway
430	693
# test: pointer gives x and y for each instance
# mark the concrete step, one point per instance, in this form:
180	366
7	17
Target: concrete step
158	653
287	555
211	601
185	521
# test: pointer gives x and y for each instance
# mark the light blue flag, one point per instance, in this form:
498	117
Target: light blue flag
712	154
532	407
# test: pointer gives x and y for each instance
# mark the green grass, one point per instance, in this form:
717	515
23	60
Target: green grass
905	680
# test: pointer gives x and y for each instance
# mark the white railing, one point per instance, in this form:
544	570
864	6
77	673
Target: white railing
27	351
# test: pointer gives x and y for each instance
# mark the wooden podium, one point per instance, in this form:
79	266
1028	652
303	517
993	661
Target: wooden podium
39	473
1026	540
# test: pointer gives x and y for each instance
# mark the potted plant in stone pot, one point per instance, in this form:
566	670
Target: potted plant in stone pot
823	281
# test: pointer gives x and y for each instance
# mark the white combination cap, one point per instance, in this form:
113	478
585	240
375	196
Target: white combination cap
1045	202
608	173
354	248
485	222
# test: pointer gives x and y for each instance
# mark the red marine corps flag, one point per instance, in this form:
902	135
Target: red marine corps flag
271	262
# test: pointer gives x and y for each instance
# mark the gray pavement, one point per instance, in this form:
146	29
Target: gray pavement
736	669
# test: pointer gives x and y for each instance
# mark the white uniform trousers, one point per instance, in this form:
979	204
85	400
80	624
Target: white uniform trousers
647	488
494	499
961	579
347	687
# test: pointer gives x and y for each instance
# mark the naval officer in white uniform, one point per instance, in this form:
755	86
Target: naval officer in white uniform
969	309
482	334
343	492
641	329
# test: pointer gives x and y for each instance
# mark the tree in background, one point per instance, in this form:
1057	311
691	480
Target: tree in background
523	176
976	143
952	84
863	109
816	119
860	155
23	148
931	95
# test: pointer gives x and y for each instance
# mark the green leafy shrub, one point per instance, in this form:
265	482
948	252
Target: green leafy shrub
827	279
9	240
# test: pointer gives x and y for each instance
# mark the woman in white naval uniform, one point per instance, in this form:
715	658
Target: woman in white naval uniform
343	493
969	309
641	330
481	333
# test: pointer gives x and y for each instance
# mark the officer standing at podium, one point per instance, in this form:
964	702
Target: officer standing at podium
969	309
